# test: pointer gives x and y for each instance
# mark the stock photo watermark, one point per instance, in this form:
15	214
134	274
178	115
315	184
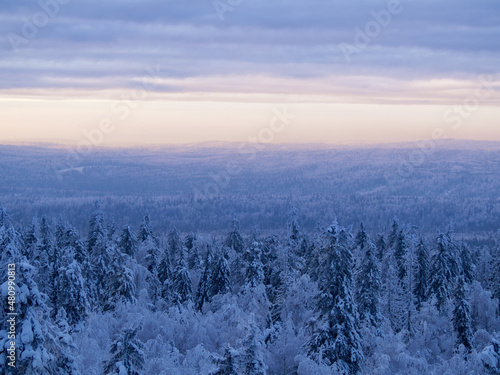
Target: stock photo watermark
121	110
11	315
454	117
48	9
221	7
255	143
363	37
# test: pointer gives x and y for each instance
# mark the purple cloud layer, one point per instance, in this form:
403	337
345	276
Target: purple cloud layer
106	44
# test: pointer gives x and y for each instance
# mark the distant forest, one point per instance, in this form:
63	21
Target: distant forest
201	188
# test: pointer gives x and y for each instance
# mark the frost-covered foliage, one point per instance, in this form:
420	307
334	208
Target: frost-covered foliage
327	301
127	356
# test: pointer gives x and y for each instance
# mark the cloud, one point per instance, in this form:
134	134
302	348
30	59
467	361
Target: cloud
99	45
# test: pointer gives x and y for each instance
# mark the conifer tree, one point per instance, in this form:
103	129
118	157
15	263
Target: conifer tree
227	364
368	290
4	217
44	256
254	275
182	282
421	274
64	345
203	292
145	231
73	240
467	266
193	260
252	358
96	229
128	242
400	254
293	227
220	280
361	238
381	247
34	343
154	285
443	270
31	240
121	286
99	258
276	264
461	316
165	277
72	293
234	239
335	340
60	233
393	235
53	289
127	354
174	244
494	279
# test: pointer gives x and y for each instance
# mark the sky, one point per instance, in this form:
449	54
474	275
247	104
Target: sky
112	73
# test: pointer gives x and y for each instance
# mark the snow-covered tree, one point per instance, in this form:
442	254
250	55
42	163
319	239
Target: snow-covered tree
174	244
421	274
72	239
127	354
145	231
33	340
53	287
165	276
182	282
253	294
203	292
72	294
381	247
128	242
99	257
193	256
234	239
490	357
220	278
400	254
121	283
335	340
254	274
295	242
394	234
392	306
148	254
361	239
44	256
4	217
494	279
31	240
484	258
368	285
462	316
443	270
227	364
252	361
65	361
467	266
